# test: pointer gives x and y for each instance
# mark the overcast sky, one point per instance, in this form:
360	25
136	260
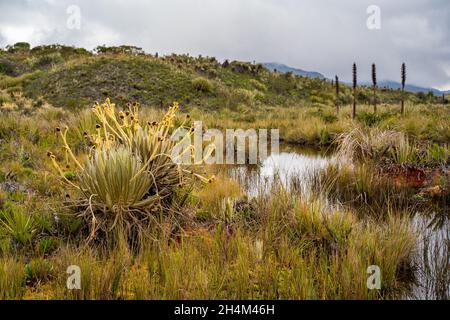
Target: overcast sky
316	35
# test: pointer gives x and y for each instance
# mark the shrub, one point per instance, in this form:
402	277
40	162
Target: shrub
48	60
360	144
325	116
370	119
242	96
203	85
259	96
4	97
8	67
281	84
257	85
19	46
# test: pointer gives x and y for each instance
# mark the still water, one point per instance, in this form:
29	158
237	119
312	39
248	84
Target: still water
291	164
431	259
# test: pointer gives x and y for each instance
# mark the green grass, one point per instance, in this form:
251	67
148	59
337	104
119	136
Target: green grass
12	279
308	256
66	77
205	242
17	224
215	245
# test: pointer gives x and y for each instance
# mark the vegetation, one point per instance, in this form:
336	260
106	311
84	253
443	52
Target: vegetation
130	171
70	77
98	187
391	146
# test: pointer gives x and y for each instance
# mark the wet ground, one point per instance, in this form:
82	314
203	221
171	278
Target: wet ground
431	259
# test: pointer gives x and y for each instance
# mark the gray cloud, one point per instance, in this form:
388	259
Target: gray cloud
321	35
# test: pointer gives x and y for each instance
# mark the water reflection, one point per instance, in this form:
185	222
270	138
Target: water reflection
293	166
432	257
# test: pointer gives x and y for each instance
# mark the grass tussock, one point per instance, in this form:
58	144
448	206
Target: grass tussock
387	145
12	279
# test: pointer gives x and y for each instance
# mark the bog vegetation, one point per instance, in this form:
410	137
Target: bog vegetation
89	181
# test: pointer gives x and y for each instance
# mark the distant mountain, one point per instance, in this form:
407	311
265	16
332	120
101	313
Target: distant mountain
383	83
408	87
299	72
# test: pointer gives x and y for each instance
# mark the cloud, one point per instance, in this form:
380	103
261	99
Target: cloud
325	36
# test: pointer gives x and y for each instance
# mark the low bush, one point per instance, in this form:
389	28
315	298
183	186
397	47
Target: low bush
203	85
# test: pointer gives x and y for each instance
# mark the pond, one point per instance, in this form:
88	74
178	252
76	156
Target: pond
293	163
431	258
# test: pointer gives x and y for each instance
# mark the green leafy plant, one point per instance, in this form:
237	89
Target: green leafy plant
70	175
404	152
18	224
38	269
130	173
437	153
46	245
114	178
371	119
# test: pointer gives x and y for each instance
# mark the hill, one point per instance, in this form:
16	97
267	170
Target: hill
408	87
272	66
74	77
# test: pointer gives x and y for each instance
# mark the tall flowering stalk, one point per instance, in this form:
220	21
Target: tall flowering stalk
337	93
354	74
403	75
374	87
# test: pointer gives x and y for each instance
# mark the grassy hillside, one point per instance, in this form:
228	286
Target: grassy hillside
71	78
237	94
